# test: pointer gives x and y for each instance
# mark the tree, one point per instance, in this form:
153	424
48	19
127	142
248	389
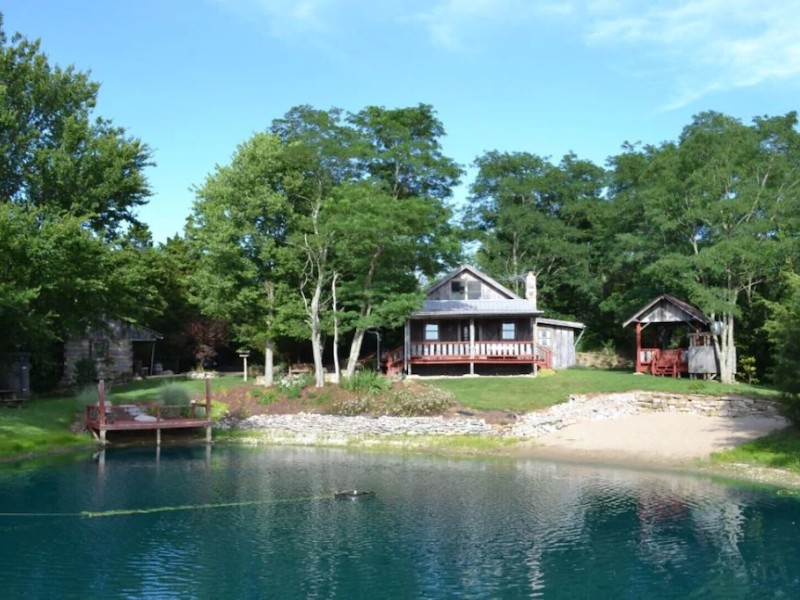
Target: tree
74	254
53	155
717	212
239	233
530	215
783	327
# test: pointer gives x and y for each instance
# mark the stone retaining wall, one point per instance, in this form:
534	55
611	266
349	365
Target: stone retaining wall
312	428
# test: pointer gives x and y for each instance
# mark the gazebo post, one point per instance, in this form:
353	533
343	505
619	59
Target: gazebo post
638	345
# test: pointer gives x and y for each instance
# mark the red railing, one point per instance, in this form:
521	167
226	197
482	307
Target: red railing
471	351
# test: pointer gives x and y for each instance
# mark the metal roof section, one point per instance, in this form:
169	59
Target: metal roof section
464	308
478	274
686	311
561	323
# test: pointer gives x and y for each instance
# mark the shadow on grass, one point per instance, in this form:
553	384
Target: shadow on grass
780	450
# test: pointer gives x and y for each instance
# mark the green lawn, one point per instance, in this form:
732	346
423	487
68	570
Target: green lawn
779	450
39	426
522	394
43	425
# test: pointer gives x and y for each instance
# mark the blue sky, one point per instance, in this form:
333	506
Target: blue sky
195	78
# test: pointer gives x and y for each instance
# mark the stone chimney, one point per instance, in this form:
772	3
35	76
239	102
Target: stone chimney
530	288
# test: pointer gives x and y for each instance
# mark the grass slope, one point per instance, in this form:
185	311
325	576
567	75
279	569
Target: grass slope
39	426
778	450
523	394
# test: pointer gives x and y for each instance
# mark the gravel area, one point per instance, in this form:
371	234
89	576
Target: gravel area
625	427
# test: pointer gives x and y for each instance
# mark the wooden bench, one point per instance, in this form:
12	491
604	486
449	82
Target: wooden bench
9	398
301	369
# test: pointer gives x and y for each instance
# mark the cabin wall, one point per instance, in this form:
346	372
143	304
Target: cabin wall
446	291
486	330
561	340
113	357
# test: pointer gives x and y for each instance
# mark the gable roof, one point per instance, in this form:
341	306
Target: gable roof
478	275
686	311
510	305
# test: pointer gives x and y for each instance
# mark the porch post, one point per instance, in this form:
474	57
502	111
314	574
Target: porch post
472	346
534	321
407	347
638	345
101	410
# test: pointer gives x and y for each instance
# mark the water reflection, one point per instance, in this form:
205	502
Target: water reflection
252	523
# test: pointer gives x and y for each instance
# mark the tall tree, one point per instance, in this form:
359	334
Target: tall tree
239	232
73	251
531	215
717	213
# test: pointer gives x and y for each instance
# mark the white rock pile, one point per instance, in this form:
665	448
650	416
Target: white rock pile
310	423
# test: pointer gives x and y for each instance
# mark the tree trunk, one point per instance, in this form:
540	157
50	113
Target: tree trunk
726	350
355	350
335	330
316	334
269	363
727	363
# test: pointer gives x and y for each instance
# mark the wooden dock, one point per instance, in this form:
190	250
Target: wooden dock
104	417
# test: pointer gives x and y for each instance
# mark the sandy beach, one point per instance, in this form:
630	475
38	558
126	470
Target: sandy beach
671	439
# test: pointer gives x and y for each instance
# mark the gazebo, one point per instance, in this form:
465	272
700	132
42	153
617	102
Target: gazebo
678	339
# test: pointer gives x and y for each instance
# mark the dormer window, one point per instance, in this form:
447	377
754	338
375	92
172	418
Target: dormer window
457	291
473	290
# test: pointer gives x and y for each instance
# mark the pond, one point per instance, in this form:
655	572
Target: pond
235	522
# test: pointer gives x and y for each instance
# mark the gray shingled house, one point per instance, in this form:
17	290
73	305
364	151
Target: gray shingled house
472	324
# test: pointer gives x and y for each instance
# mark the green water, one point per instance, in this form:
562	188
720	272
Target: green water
263	523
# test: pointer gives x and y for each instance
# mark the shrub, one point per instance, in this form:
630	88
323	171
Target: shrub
174	394
292	386
352	407
265	396
86	396
84	371
366	382
430	401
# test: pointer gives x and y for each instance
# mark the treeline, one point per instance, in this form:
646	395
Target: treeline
323	227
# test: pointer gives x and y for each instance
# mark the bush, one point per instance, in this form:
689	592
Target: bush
86	396
265	396
173	394
366	382
430	401
292	386
84	372
352	407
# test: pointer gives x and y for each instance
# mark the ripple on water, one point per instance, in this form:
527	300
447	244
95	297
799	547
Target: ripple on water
264	523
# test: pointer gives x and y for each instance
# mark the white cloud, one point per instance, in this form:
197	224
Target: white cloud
710	45
286	17
453	23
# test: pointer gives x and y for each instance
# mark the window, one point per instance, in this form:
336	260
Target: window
509	331
474	290
544	336
431	332
456	290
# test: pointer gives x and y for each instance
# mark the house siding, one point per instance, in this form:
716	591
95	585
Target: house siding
562	343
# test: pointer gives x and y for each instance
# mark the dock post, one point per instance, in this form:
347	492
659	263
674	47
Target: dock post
101	410
208	411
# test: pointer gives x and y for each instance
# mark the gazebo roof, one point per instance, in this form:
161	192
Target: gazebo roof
668	309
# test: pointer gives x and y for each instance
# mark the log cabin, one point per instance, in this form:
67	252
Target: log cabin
120	350
472	324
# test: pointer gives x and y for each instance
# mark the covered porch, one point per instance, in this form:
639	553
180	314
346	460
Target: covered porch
471	342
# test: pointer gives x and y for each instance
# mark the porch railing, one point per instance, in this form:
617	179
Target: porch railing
528	350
